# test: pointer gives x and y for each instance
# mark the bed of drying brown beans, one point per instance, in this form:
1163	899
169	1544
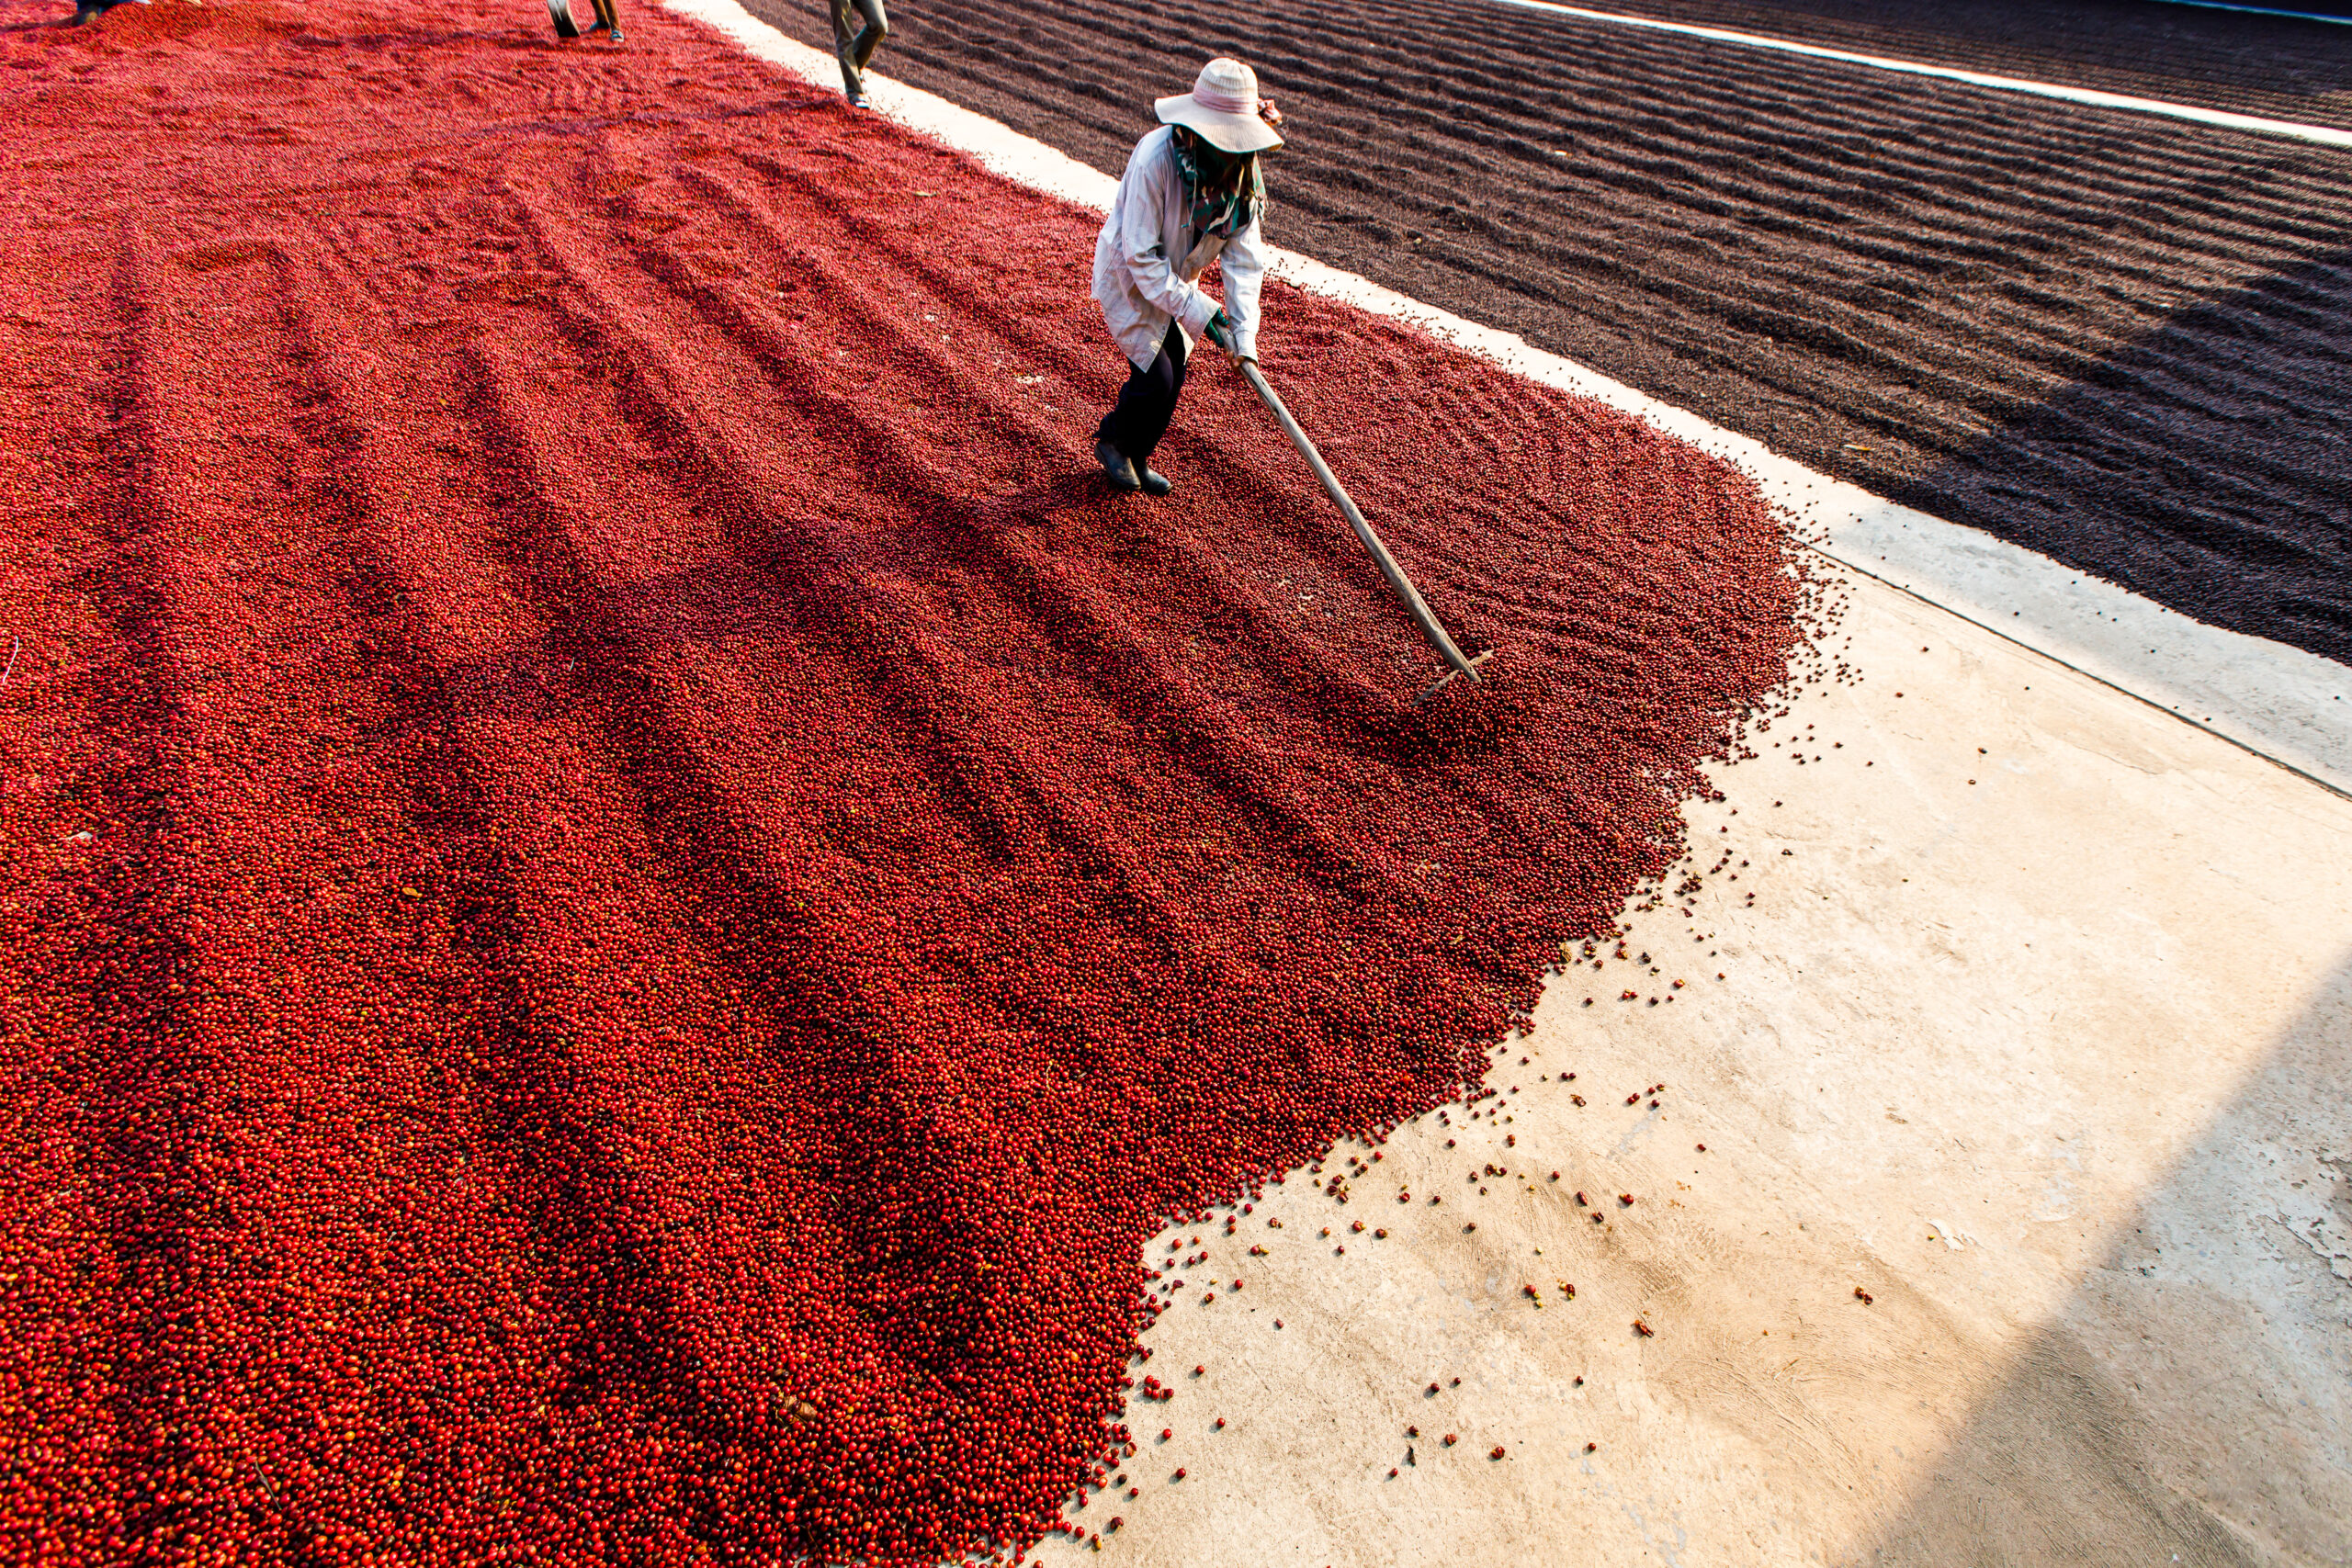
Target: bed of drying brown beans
626	888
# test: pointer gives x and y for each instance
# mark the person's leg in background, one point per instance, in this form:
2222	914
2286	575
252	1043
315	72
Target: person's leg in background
1124	442
859	27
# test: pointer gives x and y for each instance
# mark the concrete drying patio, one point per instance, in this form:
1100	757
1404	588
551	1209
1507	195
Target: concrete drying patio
2043	1047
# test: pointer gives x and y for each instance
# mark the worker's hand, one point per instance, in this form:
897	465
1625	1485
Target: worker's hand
1221	332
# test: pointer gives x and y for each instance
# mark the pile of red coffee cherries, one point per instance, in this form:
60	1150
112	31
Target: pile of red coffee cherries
629	890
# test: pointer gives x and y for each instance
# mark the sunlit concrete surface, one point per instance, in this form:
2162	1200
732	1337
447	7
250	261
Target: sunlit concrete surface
2043	1047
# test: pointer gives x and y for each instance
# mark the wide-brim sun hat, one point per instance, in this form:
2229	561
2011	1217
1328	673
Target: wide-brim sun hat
1222	107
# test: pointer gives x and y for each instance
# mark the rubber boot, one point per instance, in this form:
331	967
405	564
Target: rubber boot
1115	466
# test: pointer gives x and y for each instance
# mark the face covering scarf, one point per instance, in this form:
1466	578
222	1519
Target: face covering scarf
1228	190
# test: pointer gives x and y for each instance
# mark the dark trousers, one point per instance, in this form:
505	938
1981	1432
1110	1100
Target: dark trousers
855	44
1147	402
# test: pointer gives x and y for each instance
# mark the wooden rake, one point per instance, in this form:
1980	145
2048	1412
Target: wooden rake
1399	583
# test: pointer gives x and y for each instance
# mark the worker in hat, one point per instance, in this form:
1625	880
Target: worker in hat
1192	195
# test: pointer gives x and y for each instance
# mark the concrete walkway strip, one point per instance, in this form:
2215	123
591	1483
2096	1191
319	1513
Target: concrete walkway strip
2288	707
2327	135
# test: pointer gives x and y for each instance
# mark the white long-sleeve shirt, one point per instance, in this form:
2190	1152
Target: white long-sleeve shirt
1140	289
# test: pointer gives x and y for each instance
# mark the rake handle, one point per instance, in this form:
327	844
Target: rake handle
1399	583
